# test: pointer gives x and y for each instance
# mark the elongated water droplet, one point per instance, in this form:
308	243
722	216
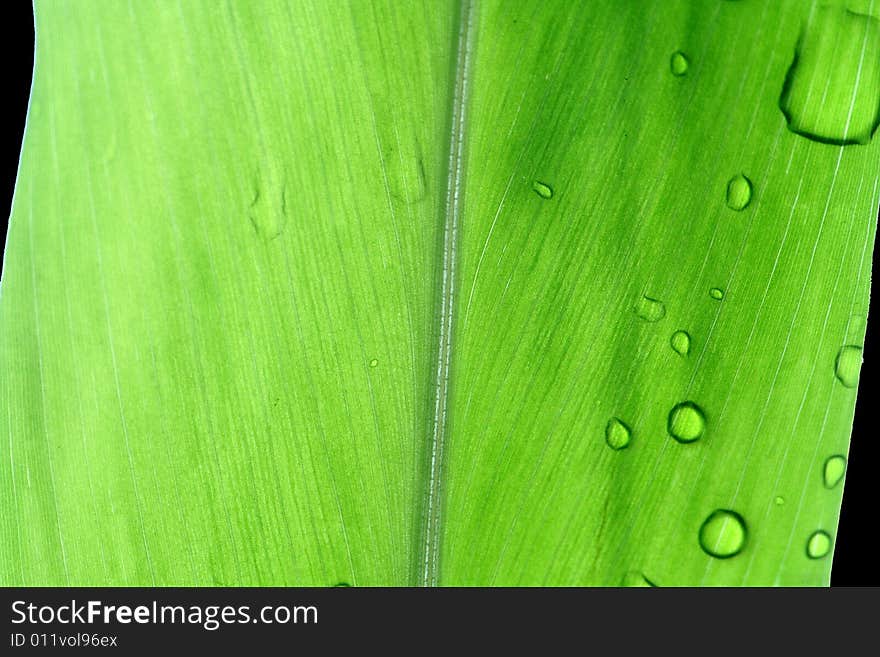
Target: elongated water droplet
374	362
847	365
617	434
542	189
739	192
723	534
819	544
716	293
835	468
341	585
681	342
650	309
634	578
686	423
678	63
267	210
831	93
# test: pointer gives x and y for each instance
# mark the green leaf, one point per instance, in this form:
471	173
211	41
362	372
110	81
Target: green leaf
388	293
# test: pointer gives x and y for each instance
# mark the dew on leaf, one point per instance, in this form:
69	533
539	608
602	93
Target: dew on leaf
650	309
617	434
739	192
341	585
835	468
634	578
831	92
681	343
716	293
374	362
542	189
723	534
678	63
686	422
847	365
819	544
779	501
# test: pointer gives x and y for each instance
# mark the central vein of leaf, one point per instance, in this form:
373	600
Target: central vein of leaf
451	216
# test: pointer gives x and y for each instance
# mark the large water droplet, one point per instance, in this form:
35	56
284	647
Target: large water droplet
617	434
635	578
819	544
268	207
847	365
723	534
835	468
739	192
542	189
686	423
650	309
681	343
716	293
831	93
678	63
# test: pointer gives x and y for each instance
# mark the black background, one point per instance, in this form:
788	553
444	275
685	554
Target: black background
856	547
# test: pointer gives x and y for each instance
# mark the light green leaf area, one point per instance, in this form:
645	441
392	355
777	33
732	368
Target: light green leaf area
391	293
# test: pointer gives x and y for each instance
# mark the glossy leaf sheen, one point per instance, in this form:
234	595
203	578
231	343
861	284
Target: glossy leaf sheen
219	315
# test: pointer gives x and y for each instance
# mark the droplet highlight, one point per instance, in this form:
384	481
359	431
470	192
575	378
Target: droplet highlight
679	63
779	500
739	192
819	544
723	534
542	189
835	468
831	92
847	365
716	293
617	434
681	343
650	309
686	422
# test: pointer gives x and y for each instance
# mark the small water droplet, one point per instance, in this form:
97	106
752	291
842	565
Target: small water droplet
779	501
634	578
819	544
723	534
678	63
686	423
847	365
681	343
840	48
739	192
341	585
835	468
542	189
617	434
374	362
650	309
716	293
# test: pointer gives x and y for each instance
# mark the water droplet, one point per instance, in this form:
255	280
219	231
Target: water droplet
678	63
649	309
716	293
723	534
831	93
681	342
686	422
779	501
819	544
268	207
341	585
847	365
835	468
739	192
635	578
617	434
374	362
542	189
